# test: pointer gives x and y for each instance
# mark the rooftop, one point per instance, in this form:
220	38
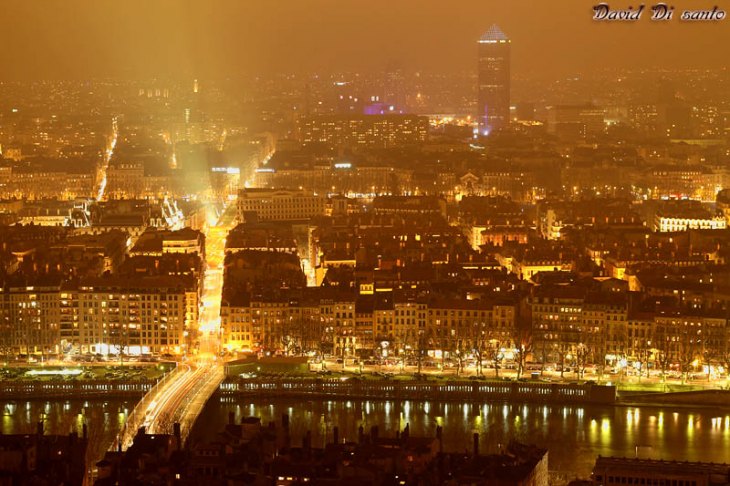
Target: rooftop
493	35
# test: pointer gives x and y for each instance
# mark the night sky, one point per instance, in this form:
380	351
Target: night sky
75	39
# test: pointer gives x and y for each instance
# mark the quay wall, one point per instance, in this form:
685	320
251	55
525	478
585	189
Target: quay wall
707	398
86	389
415	390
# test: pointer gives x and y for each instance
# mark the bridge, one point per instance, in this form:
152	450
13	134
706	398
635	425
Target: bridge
180	395
177	398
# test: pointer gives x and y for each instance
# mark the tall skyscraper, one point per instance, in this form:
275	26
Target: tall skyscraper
394	89
494	80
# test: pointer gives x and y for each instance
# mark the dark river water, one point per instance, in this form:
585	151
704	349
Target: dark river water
574	435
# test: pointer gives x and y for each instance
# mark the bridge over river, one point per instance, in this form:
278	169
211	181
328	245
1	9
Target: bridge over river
178	398
181	395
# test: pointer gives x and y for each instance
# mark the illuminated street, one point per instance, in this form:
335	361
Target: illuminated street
406	243
107	157
215	243
182	396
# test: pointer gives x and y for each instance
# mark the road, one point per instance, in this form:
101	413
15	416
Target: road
210	321
553	376
181	395
107	157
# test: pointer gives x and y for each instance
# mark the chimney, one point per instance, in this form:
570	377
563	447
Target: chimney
476	444
336	434
308	441
231	418
285	426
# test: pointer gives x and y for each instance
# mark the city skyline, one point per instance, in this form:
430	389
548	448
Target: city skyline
327	242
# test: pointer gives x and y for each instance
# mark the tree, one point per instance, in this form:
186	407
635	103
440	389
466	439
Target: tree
323	343
588	342
291	335
421	350
119	339
724	357
542	345
6	340
664	354
311	333
461	350
709	356
480	343
522	338
494	351
563	350
642	353
687	352
582	357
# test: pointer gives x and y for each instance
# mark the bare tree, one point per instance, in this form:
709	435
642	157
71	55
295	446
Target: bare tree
687	352
709	356
664	354
522	338
311	332
563	349
494	350
480	343
724	357
542	344
6	340
461	348
291	335
421	349
582	357
642	353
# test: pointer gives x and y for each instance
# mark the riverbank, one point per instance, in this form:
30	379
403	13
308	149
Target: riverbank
84	390
82	373
698	398
423	390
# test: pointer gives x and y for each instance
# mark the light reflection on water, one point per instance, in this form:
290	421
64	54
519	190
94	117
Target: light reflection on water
104	419
574	435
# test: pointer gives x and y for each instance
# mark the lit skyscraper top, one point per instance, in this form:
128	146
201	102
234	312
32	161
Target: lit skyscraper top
493	36
494	80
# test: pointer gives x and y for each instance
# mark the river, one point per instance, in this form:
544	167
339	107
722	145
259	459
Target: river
574	435
104	419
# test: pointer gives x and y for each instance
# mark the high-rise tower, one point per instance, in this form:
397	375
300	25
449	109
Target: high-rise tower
494	80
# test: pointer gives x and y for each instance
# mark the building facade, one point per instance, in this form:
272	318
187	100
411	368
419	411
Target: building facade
494	80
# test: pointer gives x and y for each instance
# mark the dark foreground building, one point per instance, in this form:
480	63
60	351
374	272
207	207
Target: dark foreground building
611	471
249	453
38	459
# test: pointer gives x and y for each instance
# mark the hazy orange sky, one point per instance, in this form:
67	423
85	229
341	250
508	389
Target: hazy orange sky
148	38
